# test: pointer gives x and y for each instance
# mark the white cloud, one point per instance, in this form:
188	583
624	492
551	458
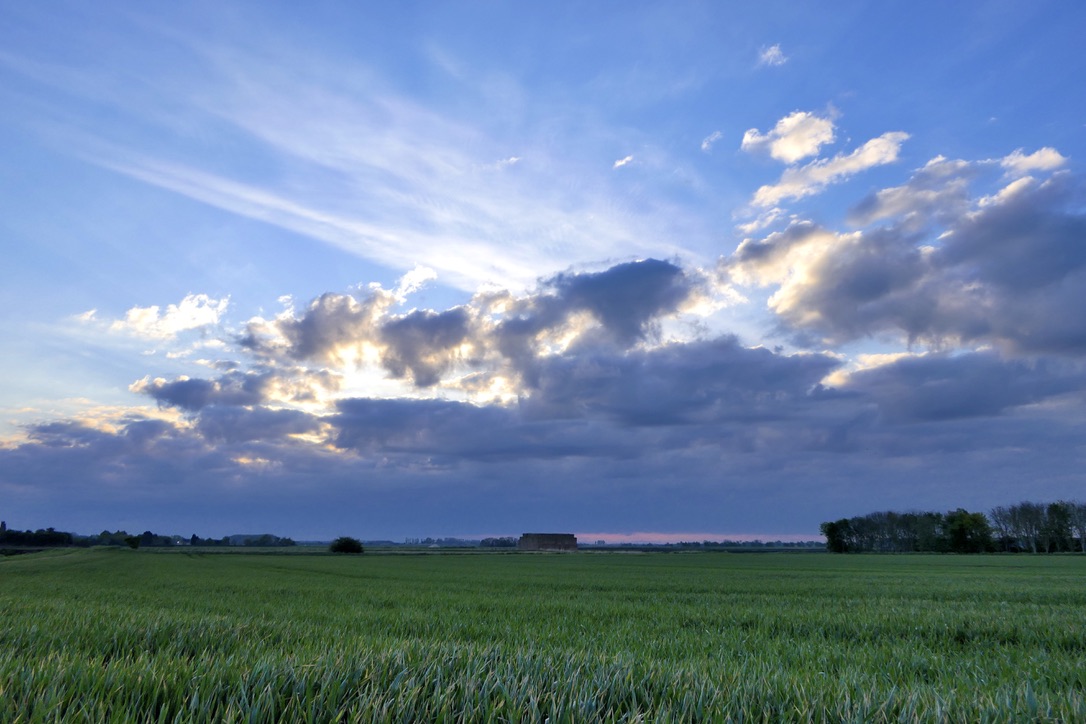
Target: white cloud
1007	193
798	182
193	312
795	137
414	280
1044	159
763	221
773	55
712	138
622	162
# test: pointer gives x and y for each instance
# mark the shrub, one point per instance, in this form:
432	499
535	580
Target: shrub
343	544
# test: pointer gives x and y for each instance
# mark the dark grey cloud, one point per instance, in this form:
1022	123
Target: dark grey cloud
703	435
444	433
945	387
423	345
700	382
1028	242
627	301
144	433
235	388
626	298
66	434
938	193
238	424
610	404
241	388
428	467
329	322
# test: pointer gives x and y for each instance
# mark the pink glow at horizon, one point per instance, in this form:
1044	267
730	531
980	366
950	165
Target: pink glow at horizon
661	538
643	538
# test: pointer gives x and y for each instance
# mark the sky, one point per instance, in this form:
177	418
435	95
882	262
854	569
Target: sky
632	270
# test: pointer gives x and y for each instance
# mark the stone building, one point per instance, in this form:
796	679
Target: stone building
547	542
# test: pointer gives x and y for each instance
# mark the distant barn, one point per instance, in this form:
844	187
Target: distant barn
547	542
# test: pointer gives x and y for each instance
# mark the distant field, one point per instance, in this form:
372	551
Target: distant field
97	635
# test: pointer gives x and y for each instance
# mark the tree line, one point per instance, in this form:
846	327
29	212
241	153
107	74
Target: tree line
43	537
1025	527
51	538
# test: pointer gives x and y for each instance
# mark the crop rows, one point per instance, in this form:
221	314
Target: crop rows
128	635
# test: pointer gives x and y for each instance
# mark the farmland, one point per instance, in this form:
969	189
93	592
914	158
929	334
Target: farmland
96	635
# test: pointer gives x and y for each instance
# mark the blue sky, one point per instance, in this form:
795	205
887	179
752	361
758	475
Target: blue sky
627	270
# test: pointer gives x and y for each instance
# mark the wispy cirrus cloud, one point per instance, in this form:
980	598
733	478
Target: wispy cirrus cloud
772	56
360	165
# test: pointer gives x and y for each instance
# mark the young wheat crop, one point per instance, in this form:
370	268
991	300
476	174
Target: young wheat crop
108	635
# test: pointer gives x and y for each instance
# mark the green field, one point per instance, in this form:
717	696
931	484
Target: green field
116	635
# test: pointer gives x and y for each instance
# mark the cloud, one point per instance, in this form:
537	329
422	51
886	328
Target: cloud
707	143
626	298
601	408
947	269
195	394
623	162
945	387
802	181
794	138
423	345
618	307
235	424
335	329
413	281
702	382
364	167
580	396
764	220
193	312
496	335
1044	159
772	56
936	193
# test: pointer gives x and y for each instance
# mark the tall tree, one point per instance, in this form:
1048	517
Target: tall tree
1003	527
1028	519
837	535
1057	533
968	532
1078	524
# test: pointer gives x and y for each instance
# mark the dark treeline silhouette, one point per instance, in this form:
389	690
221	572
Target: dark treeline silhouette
1025	527
1039	527
731	544
503	542
441	542
50	538
46	538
